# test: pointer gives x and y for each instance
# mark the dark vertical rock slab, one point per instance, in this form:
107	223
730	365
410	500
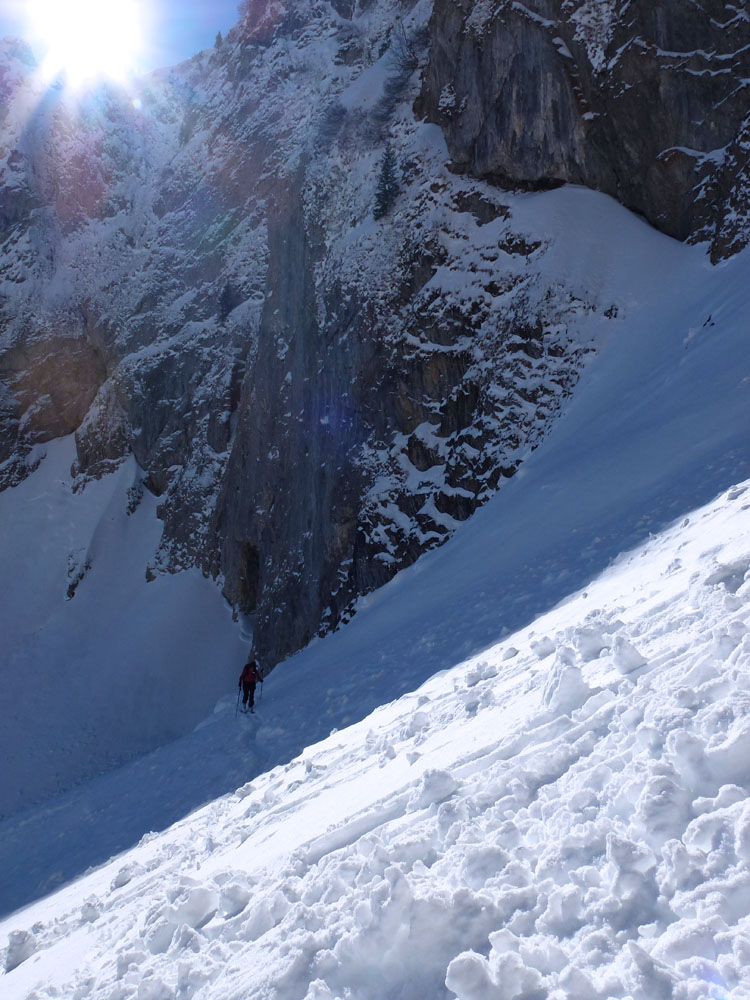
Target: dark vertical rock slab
286	512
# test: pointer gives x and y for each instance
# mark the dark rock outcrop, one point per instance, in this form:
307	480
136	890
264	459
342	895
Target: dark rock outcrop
643	101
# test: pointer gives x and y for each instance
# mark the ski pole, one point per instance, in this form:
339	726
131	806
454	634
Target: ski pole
237	706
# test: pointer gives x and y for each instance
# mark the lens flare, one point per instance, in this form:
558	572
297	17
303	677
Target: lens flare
84	41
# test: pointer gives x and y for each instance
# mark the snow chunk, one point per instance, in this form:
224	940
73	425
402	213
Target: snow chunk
21	945
418	722
742	834
728	758
731	576
89	912
589	642
154	988
233	900
436	786
469	977
565	688
626	657
542	648
319	991
197	908
505	976
126	874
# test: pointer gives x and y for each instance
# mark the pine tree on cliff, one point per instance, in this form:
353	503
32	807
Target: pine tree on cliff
387	189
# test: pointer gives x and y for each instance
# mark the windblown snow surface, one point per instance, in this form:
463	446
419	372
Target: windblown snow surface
559	809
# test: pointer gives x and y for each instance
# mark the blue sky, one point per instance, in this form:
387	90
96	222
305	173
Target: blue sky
178	28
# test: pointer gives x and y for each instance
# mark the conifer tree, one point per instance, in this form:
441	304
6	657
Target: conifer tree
387	189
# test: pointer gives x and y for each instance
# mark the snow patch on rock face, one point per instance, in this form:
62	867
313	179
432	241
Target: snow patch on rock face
595	22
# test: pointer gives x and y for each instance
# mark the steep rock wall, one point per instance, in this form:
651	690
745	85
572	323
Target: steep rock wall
316	398
646	102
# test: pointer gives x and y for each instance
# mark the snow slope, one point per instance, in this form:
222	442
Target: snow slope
656	428
89	646
564	815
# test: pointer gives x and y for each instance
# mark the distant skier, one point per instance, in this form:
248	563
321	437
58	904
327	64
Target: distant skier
249	677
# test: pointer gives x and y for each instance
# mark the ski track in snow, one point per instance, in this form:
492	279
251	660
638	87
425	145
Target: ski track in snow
565	815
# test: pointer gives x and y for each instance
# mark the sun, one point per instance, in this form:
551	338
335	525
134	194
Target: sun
84	41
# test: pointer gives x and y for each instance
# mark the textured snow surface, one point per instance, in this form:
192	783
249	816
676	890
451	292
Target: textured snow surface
533	823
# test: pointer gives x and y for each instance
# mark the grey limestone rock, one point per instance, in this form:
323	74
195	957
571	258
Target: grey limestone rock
642	101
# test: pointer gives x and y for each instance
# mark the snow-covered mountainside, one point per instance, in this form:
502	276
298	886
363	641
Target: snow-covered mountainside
656	428
315	396
117	669
192	273
266	333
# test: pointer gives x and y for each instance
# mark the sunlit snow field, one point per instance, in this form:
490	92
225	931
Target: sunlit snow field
565	814
561	811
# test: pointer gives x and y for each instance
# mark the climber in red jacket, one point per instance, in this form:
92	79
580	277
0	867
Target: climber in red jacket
249	677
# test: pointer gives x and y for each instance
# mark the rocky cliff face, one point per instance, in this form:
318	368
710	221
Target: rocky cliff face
192	273
647	102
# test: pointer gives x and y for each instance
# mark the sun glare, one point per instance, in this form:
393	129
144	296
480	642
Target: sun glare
87	40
